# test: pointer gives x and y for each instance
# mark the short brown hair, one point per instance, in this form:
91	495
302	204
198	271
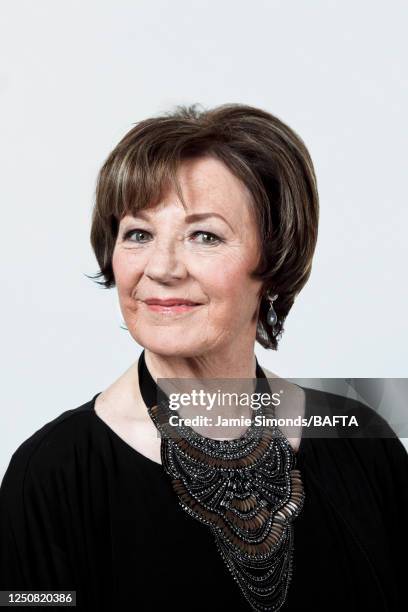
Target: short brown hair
268	156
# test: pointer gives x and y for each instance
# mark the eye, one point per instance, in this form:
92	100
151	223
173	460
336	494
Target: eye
143	236
139	232
210	237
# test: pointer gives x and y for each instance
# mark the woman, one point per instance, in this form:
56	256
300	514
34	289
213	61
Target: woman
206	223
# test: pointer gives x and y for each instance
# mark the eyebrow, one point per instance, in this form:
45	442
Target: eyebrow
190	218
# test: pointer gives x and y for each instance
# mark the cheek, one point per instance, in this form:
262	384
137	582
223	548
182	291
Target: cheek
227	279
125	271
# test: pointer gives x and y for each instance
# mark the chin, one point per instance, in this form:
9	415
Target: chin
163	342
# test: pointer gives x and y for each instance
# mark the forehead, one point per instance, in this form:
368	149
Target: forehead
208	177
207	185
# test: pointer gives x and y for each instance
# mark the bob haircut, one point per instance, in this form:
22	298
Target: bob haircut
258	148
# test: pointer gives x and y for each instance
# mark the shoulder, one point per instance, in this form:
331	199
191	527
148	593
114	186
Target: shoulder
360	444
51	447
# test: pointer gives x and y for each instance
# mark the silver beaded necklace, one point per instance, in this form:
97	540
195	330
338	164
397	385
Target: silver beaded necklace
246	490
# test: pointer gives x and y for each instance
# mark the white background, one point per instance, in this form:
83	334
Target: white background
74	78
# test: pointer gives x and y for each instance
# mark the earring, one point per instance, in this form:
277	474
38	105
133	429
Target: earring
271	317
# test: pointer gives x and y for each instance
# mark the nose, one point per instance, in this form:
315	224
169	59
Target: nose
164	263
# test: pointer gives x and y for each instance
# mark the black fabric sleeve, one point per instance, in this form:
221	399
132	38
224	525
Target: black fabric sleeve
32	552
392	470
389	473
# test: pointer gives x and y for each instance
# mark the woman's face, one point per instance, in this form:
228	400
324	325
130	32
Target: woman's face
203	254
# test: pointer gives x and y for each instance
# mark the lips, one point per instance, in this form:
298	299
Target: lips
170	302
172	307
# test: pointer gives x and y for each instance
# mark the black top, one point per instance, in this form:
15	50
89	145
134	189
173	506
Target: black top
80	509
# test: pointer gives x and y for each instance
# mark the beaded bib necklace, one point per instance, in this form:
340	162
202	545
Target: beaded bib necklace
246	490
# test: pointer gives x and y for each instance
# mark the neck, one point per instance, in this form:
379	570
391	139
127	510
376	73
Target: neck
222	364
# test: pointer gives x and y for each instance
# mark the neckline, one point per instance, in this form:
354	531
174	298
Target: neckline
151	395
118	438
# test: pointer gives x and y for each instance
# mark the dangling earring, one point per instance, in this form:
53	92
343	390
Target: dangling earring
271	317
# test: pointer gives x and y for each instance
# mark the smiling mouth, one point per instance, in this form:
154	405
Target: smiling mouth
175	308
